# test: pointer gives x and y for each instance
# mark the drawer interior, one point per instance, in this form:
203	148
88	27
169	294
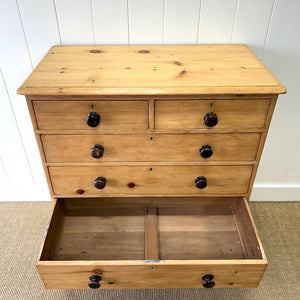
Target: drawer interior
151	229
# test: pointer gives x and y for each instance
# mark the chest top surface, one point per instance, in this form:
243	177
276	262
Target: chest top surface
150	70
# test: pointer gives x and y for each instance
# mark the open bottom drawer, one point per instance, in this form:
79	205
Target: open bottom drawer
151	243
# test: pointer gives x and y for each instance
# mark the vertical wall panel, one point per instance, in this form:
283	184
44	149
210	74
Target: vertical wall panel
216	21
251	24
181	21
146	21
281	57
293	175
16	66
110	20
3	176
12	152
40	25
75	21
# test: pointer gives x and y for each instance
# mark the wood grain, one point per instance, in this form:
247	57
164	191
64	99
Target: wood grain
156	180
40	145
94	206
150	70
247	230
114	234
189	114
151	239
193	241
262	141
155	147
198	233
72	115
150	131
53	233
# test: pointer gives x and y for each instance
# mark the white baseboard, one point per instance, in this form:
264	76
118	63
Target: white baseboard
259	193
275	193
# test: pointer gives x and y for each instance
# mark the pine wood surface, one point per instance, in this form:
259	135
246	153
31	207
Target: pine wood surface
188	114
72	115
155	180
151	239
207	242
135	274
262	141
150	70
155	147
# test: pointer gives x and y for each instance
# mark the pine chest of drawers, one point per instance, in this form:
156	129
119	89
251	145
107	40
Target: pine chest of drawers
150	153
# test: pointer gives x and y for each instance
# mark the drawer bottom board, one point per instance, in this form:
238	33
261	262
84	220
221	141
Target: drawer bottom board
144	245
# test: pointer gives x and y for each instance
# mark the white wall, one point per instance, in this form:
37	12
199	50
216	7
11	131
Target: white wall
29	27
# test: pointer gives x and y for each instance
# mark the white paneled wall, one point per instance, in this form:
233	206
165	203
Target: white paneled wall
181	21
110	21
146	21
28	28
216	23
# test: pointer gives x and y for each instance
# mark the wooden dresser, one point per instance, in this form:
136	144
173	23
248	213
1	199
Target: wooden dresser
150	153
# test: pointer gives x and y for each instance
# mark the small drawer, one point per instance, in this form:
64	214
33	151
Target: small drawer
154	180
200	114
93	115
126	243
156	147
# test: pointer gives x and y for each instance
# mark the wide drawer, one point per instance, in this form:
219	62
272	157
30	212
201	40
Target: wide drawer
156	147
151	243
154	180
230	114
56	115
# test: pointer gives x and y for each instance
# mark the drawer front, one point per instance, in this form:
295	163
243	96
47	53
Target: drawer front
157	147
189	114
151	243
155	180
55	115
230	274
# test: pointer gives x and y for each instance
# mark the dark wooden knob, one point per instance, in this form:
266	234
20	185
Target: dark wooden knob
208	284
210	119
97	151
206	151
94	282
201	182
100	183
208	281
93	119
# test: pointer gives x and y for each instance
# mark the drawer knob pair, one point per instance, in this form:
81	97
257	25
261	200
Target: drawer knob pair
93	119
210	119
100	182
94	281
208	281
97	151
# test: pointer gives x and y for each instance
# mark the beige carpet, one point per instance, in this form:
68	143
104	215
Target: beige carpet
22	226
